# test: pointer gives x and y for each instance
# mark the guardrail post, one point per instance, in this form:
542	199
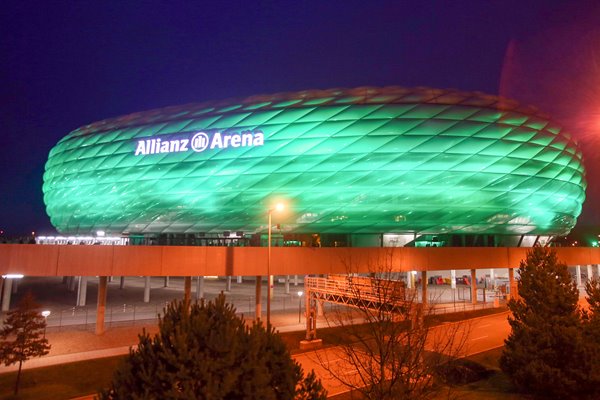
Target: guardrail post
257	305
101	305
474	286
424	287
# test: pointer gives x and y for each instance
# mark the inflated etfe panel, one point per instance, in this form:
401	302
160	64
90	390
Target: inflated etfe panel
364	160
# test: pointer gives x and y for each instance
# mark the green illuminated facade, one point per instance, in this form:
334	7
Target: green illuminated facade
364	160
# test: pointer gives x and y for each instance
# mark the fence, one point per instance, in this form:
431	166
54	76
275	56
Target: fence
84	318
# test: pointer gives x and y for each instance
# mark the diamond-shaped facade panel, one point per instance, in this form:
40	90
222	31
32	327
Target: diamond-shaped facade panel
364	160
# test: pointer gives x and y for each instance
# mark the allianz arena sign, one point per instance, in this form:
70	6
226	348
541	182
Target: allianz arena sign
199	142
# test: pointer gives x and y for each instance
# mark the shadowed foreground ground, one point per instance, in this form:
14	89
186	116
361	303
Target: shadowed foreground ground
73	379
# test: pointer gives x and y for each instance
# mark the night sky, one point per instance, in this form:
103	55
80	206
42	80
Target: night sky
67	64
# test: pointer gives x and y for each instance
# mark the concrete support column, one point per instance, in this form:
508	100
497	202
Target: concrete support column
271	286
512	285
101	305
166	281
240	279
15	286
452	279
307	310
146	289
110	278
200	288
409	280
6	294
492	277
296	280
257	307
287	284
122	283
228	284
578	275
424	282
590	272
598	271
474	286
187	289
71	284
82	290
320	311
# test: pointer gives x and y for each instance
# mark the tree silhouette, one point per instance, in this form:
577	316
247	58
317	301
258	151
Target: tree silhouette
591	334
545	352
21	338
205	351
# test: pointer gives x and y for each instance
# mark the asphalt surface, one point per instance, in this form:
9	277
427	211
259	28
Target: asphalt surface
478	334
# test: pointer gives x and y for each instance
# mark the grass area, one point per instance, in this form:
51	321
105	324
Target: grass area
496	386
489	359
82	378
63	381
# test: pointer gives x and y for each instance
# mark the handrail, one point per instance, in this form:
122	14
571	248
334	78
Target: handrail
359	288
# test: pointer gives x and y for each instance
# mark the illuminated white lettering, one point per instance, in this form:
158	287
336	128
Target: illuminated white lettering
199	142
164	147
173	146
259	139
235	140
217	141
183	144
141	148
247	137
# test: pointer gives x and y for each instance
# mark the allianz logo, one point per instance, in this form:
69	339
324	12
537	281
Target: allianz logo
199	142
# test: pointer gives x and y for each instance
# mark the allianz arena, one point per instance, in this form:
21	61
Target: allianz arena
347	161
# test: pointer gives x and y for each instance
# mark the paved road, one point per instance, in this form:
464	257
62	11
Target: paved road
487	333
481	334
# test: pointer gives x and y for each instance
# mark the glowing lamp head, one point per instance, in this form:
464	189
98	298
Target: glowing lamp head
46	313
279	207
300	293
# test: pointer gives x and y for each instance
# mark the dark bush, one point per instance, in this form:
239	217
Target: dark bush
460	372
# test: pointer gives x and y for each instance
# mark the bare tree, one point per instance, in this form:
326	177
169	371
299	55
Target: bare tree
390	349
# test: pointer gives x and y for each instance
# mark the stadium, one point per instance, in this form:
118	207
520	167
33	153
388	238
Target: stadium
352	164
454	185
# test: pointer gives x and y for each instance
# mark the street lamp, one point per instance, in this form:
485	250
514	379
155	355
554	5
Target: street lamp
13	276
300	293
278	207
45	314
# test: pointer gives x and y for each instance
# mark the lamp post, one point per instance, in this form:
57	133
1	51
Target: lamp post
45	314
278	207
300	293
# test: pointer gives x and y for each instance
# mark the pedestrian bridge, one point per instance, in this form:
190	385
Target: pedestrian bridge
90	260
357	291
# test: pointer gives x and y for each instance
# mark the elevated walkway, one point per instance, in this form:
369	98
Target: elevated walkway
362	292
